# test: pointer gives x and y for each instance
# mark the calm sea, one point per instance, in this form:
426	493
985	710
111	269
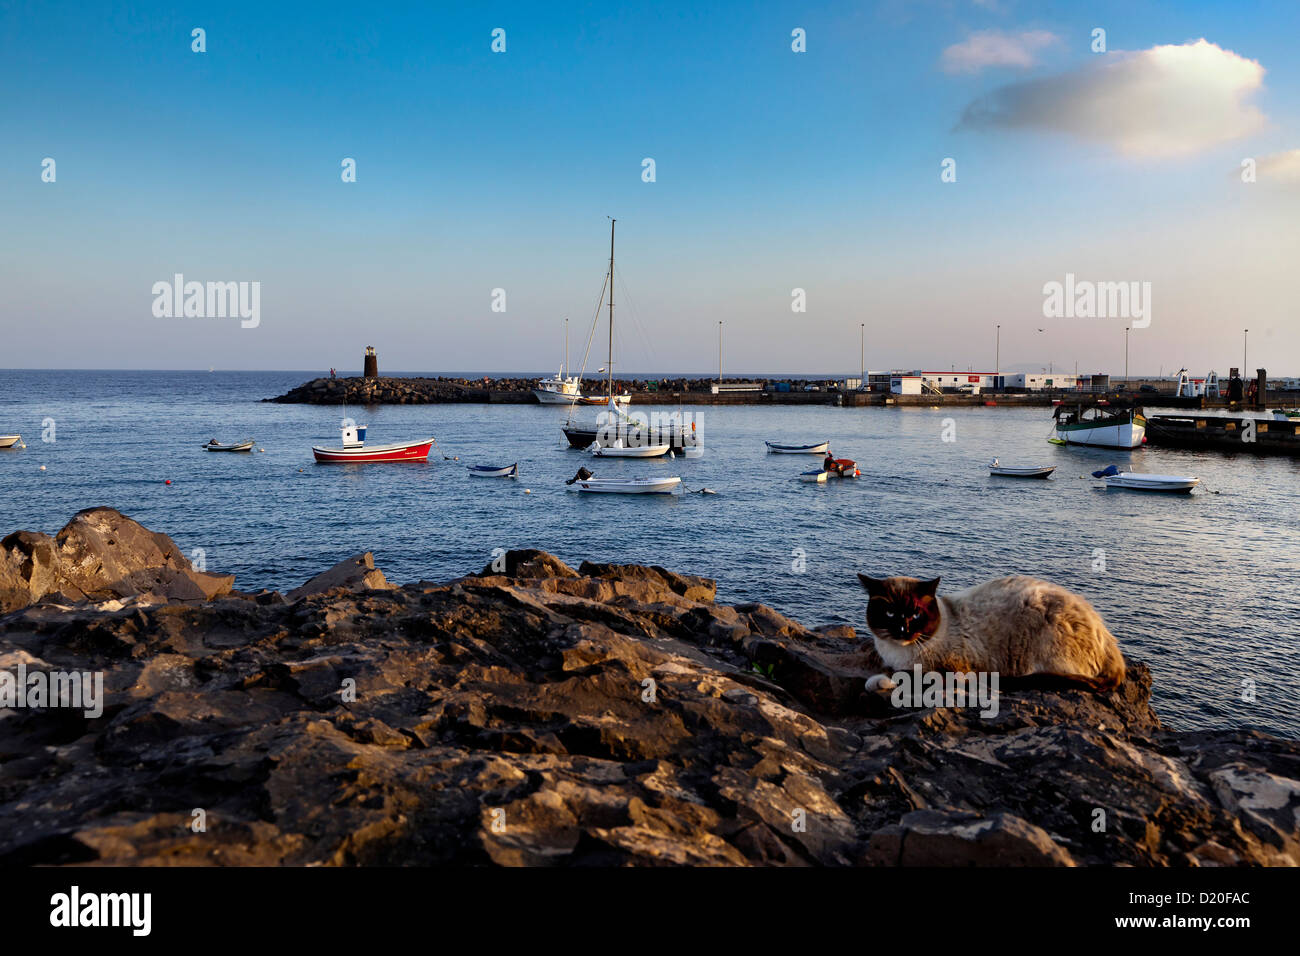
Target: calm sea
1202	588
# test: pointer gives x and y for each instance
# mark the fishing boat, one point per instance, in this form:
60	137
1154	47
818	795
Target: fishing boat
1099	427
628	486
619	450
488	471
618	426
8	441
1144	481
817	475
355	450
1009	471
215	445
821	448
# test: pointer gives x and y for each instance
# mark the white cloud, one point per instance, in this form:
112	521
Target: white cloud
995	48
1280	167
1165	101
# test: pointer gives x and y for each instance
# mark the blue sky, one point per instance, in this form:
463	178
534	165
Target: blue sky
775	170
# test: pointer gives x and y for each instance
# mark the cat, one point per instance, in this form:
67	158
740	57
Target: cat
1018	627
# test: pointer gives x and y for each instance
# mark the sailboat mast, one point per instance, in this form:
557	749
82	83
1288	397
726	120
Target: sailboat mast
610	363
566	347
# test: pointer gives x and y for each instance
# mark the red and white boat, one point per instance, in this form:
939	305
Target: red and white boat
356	450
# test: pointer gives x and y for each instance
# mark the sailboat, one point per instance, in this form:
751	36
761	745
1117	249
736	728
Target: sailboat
617	428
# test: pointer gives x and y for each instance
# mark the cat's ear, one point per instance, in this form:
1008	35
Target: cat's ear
929	587
873	586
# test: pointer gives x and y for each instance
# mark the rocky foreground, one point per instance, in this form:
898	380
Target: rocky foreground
612	714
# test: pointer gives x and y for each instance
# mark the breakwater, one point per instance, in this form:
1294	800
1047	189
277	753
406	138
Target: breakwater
681	391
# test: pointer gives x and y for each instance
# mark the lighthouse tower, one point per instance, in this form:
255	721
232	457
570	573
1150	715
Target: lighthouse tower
371	363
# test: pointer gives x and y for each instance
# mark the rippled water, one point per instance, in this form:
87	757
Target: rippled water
1202	588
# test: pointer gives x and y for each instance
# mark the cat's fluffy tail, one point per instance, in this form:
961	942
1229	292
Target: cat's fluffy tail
1046	680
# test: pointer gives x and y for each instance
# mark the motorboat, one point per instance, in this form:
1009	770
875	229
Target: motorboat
355	450
1099	427
1144	481
821	448
488	471
628	486
215	445
1009	471
8	441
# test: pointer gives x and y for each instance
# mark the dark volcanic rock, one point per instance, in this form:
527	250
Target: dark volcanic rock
609	715
103	555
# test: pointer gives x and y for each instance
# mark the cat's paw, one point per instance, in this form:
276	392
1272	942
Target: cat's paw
880	682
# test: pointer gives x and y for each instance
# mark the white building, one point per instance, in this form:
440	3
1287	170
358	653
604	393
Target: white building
1038	381
966	381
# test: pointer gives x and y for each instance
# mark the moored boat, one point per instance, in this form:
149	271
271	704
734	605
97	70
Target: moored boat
1099	427
821	448
489	471
1010	471
628	486
355	450
619	450
215	445
8	441
1145	481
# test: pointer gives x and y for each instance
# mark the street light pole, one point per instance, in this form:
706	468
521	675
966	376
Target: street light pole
719	351
1245	333
1126	332
862	353
997	358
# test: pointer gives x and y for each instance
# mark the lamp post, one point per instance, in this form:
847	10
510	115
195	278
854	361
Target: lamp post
1127	329
997	358
862	353
1245	334
719	351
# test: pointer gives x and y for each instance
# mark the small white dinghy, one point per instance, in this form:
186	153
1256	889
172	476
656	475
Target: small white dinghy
488	471
628	486
818	475
1007	471
1143	481
8	441
821	448
215	445
617	450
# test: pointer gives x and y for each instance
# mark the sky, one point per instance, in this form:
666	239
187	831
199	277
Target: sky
821	169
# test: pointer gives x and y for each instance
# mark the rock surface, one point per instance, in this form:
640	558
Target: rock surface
605	715
100	555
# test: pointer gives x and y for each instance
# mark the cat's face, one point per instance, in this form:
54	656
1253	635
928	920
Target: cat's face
901	609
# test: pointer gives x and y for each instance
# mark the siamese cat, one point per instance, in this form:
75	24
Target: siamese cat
1018	627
